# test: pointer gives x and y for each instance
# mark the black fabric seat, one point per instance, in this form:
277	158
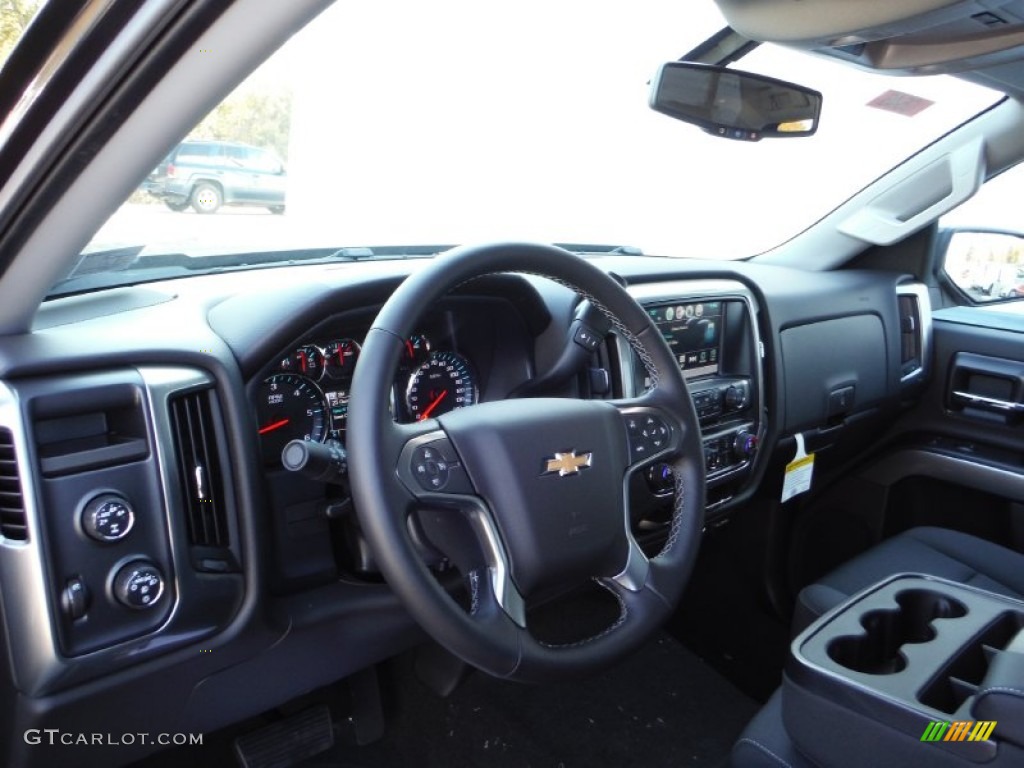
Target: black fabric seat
934	551
948	554
764	743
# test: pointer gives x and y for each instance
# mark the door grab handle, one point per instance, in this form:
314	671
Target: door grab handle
989	402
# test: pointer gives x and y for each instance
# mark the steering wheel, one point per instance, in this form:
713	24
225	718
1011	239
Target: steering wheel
524	495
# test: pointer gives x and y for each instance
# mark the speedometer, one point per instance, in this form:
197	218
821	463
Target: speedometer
290	407
441	384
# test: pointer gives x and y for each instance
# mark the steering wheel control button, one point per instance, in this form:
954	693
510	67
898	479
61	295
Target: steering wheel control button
433	466
430	468
74	600
648	434
139	585
655	431
108	518
586	338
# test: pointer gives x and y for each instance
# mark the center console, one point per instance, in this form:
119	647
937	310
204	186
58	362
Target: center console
913	663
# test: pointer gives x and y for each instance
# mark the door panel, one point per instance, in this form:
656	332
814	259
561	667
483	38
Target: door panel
960	450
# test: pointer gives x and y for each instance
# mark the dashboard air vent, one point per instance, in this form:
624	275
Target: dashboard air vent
13	525
199	469
910	336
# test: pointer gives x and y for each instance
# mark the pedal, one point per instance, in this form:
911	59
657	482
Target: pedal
367	718
288	742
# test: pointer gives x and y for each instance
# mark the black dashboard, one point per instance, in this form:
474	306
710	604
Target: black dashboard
145	512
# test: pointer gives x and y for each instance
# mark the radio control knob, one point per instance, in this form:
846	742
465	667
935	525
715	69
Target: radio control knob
735	397
744	445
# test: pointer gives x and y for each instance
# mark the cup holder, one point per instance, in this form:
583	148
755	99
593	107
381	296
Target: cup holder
877	650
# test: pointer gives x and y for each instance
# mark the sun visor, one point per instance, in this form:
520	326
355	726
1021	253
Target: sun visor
817	23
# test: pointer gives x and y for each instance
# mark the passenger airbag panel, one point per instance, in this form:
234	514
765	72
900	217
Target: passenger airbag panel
829	357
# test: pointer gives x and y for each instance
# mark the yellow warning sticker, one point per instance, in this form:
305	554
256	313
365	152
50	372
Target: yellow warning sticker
799	472
797	464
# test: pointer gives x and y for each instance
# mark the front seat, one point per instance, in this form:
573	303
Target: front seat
765	743
934	551
940	552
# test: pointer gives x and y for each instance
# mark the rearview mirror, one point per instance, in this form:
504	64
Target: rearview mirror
732	104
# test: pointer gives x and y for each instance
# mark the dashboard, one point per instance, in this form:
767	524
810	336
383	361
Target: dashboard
479	349
142	430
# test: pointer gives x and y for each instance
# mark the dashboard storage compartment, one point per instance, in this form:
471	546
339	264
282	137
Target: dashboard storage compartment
899	657
839	368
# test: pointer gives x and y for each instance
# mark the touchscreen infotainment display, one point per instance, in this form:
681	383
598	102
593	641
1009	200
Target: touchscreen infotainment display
693	331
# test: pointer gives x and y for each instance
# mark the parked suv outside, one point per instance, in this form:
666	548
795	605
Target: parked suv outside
209	174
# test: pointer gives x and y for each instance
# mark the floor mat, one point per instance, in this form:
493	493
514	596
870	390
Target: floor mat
661	707
724	620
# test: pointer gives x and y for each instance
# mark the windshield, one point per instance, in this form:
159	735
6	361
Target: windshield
468	122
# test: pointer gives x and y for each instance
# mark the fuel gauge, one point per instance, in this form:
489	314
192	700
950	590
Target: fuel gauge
340	358
417	349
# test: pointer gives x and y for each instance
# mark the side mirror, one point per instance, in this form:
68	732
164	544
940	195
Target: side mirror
986	265
733	104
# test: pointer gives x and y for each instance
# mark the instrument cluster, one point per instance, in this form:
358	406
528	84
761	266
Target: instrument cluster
306	398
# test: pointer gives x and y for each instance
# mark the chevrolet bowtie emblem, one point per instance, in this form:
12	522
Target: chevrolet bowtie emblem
568	463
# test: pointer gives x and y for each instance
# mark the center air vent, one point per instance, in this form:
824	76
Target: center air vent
199	468
12	507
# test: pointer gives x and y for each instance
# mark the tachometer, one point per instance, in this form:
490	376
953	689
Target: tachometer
290	407
441	384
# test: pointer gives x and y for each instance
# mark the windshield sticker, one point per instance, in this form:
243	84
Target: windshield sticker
901	103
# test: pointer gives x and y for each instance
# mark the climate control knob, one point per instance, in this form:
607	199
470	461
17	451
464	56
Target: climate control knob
107	518
744	445
138	585
661	479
